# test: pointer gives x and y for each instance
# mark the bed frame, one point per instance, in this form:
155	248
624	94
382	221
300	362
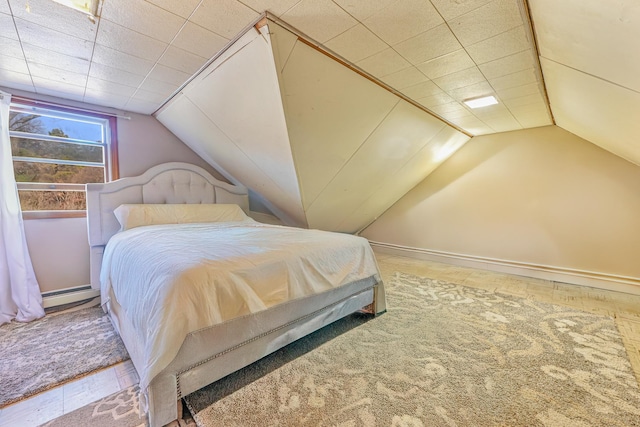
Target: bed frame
210	354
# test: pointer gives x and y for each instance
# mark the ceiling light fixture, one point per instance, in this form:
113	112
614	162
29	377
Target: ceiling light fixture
481	102
88	7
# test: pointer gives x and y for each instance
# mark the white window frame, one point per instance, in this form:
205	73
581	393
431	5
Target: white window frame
108	144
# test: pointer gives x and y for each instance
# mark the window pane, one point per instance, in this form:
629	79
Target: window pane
22	147
52	200
65	128
45	172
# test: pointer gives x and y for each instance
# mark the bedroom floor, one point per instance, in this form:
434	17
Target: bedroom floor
624	307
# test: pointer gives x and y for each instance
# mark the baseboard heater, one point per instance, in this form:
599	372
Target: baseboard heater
68	295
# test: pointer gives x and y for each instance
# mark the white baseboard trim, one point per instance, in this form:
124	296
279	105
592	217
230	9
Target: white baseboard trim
592	279
69	295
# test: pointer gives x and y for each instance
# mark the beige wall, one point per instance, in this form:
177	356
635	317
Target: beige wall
144	142
541	196
59	247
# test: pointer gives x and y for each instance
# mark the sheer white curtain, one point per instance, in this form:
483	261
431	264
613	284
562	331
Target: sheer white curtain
20	296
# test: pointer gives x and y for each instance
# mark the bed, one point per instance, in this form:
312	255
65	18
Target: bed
196	299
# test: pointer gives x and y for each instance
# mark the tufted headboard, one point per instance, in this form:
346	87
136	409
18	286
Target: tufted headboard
165	183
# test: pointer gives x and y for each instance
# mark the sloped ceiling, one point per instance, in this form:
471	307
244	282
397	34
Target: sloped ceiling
325	146
139	52
437	53
590	55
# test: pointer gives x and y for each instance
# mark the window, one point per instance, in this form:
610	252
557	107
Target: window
55	152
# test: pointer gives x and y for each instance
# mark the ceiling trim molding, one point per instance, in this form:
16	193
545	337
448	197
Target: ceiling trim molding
302	37
525	11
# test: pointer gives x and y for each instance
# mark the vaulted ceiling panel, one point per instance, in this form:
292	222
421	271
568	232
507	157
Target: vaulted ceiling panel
410	174
589	56
399	137
323	138
330	112
599	111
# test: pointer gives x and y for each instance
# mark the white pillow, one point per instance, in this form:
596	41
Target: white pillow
136	215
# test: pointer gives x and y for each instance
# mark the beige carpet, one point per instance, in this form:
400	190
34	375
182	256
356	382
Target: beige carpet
43	354
444	355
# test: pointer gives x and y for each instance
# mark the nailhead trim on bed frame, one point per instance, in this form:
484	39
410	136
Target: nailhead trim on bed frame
257	337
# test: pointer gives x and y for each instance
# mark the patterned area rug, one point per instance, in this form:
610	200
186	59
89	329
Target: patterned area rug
443	355
43	354
118	410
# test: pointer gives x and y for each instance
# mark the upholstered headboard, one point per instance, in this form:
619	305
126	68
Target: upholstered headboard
165	183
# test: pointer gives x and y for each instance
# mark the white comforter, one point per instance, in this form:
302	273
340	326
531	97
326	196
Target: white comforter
174	279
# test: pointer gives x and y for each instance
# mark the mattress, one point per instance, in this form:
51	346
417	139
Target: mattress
173	280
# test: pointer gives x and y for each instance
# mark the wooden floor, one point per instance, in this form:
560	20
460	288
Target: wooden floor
625	308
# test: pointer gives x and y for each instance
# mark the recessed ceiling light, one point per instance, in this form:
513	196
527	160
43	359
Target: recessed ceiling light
481	102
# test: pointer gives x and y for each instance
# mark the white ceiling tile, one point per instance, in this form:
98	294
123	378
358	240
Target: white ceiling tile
4	7
7	28
503	123
110	74
44	56
361	10
53	40
128	41
456	114
122	61
505	44
519	78
472	125
401	79
18	65
276	7
404	19
438	99
429	45
383	63
532	120
106	99
224	17
141	106
200	41
182	60
452	8
356	43
486	21
168	75
532	115
59	91
98	87
156	22
11	47
446	64
472	91
12	84
422	90
156	86
182	8
144	95
536	107
519	91
524	100
55	16
321	20
42	85
448	108
490	111
459	79
509	64
57	75
7	77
